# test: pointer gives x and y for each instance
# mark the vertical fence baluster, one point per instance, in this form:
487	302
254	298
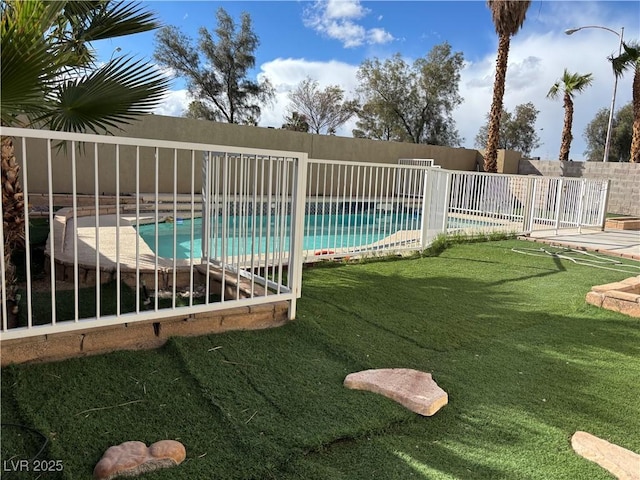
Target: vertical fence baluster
27	233
52	242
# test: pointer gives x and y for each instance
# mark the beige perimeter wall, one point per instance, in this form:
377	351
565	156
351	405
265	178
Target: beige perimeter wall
200	131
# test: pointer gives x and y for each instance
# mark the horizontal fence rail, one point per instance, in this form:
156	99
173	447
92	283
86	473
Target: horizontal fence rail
242	232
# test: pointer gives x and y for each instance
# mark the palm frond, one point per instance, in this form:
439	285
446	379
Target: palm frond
570	84
99	20
629	59
577	83
112	95
28	69
554	91
508	15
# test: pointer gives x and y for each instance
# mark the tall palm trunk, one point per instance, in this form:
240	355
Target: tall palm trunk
491	154
567	137
635	139
12	223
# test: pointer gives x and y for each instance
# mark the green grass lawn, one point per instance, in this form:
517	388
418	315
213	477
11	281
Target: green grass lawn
525	361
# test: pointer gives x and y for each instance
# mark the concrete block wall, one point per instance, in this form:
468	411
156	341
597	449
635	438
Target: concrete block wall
624	194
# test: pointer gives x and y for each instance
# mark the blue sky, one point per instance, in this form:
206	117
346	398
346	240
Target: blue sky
328	40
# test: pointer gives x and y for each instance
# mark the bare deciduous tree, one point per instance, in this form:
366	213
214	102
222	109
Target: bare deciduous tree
325	110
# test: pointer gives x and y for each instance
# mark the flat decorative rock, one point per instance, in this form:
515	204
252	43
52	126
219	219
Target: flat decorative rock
133	458
623	297
623	463
412	389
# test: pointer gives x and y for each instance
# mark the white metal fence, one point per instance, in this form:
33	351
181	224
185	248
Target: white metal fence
242	238
479	202
356	208
143	257
253	207
363	208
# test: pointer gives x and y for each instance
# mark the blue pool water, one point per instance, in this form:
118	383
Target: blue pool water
321	232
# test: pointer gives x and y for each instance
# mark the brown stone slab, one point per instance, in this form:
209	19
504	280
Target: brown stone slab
412	389
134	458
610	286
594	298
623	463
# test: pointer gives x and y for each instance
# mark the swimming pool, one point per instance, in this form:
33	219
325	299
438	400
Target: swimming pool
323	233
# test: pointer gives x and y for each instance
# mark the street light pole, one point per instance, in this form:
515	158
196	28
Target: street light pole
607	143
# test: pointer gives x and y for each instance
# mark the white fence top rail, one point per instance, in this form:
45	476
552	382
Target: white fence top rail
145	142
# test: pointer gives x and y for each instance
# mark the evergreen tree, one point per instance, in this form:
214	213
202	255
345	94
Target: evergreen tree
217	69
411	103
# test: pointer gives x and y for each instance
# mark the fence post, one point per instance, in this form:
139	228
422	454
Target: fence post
426	207
296	253
205	190
605	205
558	204
529	205
446	202
3	286
583	192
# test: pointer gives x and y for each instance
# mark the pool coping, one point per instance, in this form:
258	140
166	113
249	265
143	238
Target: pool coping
118	249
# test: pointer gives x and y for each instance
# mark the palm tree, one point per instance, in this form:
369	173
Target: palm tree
50	79
568	85
508	16
630	59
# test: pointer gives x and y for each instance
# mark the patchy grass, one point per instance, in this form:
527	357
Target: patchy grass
65	301
524	360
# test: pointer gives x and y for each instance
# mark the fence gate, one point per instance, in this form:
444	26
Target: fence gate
558	203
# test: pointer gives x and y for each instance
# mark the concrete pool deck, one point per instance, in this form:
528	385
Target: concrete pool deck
620	243
119	248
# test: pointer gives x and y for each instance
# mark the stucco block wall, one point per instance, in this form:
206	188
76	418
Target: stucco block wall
624	194
205	132
316	146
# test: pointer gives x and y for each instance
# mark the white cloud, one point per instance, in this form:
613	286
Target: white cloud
378	36
174	104
335	19
344	9
349	33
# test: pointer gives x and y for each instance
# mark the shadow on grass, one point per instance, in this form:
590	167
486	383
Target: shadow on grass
524	361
